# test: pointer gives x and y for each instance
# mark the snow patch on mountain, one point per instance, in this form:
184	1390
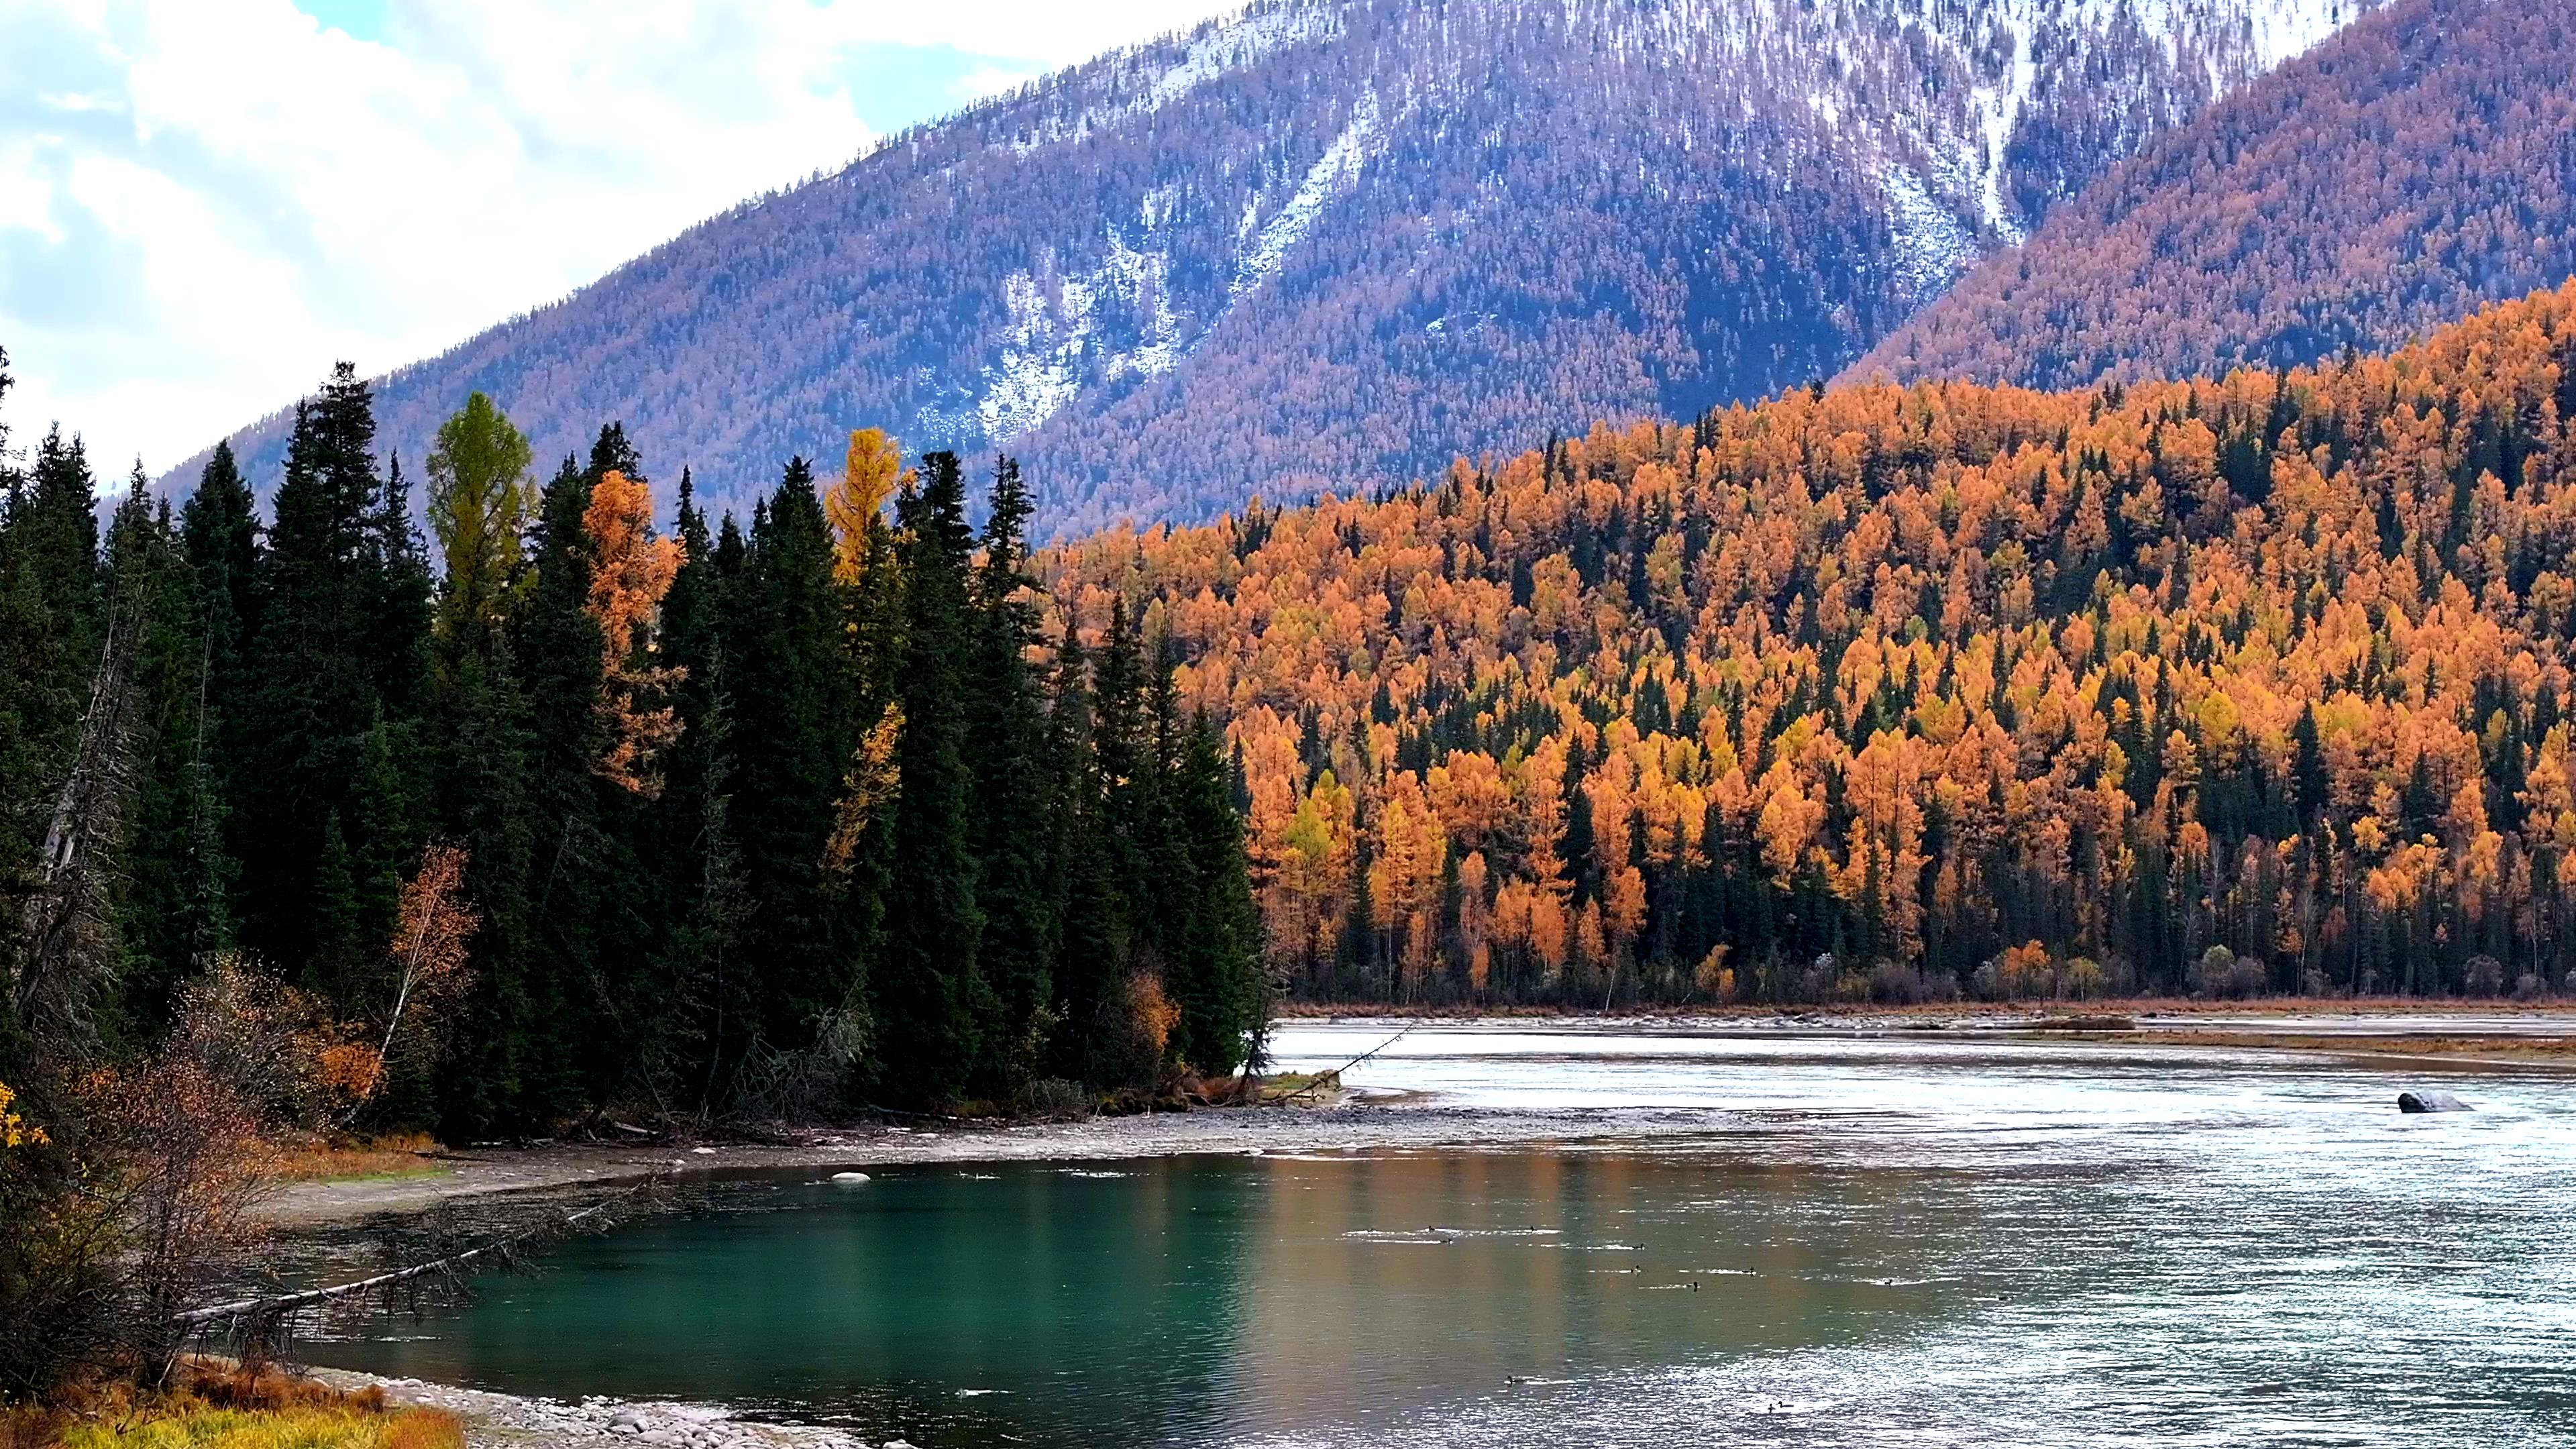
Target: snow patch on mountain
1332	175
1932	245
1234	47
1055	347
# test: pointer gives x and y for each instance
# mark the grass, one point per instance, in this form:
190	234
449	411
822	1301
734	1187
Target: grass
1299	1085
212	1428
406	1155
218	1405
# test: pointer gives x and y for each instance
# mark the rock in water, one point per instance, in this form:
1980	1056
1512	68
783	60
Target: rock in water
847	1178
2431	1102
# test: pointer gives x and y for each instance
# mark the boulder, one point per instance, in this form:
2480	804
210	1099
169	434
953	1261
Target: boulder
2431	1102
849	1178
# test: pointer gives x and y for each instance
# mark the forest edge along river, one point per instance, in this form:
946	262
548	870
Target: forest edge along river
1618	1234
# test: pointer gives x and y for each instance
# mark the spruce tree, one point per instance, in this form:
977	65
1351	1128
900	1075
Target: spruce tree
1091	936
556	645
794	721
49	623
1014	838
927	987
338	629
175	877
698	1006
1215	950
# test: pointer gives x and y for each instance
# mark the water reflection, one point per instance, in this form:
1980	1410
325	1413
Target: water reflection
1869	1242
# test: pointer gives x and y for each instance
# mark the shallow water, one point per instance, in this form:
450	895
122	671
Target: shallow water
1870	1241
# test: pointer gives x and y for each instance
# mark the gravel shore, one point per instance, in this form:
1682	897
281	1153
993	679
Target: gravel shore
1361	1123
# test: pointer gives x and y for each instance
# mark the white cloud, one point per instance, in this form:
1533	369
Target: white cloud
204	202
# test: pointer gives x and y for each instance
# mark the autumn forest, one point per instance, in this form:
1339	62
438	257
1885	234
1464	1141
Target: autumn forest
2225	688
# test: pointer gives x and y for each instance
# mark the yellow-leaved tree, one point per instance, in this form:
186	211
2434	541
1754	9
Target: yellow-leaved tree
870	475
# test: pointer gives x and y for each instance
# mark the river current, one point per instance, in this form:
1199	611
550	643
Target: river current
1901	1239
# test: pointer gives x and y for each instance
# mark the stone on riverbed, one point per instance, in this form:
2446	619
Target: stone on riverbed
2431	1102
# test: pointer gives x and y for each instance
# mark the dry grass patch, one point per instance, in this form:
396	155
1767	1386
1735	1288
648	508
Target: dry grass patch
219	1405
405	1155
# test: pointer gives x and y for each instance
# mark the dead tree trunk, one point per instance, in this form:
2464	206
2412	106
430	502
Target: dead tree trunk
65	930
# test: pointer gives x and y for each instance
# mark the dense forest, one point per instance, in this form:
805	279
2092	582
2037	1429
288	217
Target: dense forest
793	817
2229	687
2418	164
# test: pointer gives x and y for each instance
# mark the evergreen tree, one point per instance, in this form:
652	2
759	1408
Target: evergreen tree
49	636
927	986
696	1004
556	648
335	632
175	877
1214	971
1091	936
1019	889
219	534
794	721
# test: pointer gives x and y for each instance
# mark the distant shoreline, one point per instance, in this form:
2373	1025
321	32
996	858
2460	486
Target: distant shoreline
2441	1035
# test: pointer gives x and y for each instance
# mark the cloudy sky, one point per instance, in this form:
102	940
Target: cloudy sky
204	202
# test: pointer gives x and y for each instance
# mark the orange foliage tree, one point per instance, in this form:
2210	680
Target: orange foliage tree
631	571
434	930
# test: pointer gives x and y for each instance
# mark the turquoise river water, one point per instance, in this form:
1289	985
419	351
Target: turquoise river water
1840	1242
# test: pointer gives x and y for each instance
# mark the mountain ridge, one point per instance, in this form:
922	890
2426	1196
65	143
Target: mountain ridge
1326	242
2382	185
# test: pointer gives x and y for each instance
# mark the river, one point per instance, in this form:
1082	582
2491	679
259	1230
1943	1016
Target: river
1898	1239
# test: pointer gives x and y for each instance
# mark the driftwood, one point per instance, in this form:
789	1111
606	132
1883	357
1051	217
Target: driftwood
1335	1075
263	1322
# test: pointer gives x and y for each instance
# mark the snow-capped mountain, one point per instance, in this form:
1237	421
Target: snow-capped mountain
1334	243
2384	184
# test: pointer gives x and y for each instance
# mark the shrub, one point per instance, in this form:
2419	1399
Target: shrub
2084	979
2215	975
1054	1099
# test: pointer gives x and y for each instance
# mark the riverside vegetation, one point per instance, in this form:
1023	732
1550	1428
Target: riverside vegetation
307	838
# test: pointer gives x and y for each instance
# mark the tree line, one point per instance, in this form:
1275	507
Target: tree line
2239	686
796	816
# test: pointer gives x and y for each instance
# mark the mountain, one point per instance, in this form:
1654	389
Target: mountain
2419	163
1342	241
2226	687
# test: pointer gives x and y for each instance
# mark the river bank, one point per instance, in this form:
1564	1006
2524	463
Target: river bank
2397	1032
1861	1103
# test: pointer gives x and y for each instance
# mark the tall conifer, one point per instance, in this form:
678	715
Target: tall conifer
927	987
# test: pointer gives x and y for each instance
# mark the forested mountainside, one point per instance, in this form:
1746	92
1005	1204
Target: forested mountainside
2231	687
1339	241
2418	164
724	821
